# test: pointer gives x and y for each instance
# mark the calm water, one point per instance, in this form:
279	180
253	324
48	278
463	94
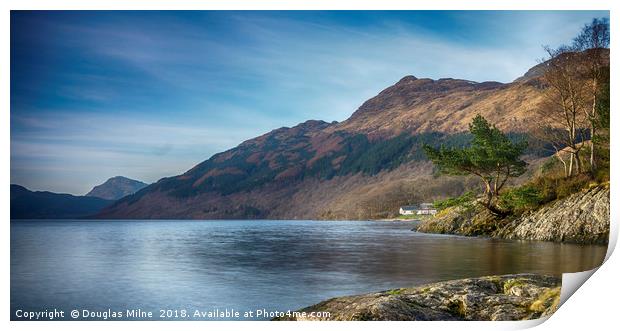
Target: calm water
249	265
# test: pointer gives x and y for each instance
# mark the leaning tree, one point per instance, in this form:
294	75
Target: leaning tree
492	156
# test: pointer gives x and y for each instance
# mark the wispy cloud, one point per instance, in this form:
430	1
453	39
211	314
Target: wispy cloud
149	94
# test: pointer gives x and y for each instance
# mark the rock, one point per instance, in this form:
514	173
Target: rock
470	220
582	218
508	297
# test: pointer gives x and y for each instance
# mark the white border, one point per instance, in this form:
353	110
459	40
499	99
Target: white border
593	306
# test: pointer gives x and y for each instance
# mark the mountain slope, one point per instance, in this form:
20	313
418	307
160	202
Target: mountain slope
116	187
26	204
445	105
363	167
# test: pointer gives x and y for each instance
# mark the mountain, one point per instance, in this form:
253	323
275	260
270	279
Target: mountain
363	167
116	188
26	204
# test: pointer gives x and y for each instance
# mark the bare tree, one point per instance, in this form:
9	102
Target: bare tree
592	43
563	106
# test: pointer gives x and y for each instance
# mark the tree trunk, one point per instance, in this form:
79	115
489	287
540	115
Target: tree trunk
495	210
490	195
563	163
592	157
593	126
559	156
578	162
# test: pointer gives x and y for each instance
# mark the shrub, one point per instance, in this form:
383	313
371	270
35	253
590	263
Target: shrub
568	186
552	165
465	198
553	187
519	199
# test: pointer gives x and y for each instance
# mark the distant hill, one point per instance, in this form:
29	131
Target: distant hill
116	188
26	204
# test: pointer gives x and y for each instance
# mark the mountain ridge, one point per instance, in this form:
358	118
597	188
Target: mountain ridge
343	169
26	204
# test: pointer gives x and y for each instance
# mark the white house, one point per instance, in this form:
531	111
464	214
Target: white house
422	209
408	210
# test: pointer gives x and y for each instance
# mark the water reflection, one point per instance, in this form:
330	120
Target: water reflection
252	264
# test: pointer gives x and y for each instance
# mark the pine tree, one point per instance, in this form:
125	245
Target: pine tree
492	156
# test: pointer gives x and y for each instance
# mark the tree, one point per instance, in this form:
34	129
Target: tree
492	157
592	43
601	138
602	110
565	98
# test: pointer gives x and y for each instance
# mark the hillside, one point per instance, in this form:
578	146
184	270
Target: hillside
446	105
363	167
116	187
26	204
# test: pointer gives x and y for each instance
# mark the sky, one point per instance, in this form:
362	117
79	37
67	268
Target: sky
149	94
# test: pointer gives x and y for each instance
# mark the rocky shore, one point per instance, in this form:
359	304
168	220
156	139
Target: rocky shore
495	298
581	218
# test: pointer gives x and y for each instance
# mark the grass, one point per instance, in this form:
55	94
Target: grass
395	291
414	217
464	199
549	298
512	283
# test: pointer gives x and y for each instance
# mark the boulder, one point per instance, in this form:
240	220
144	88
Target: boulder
494	298
581	218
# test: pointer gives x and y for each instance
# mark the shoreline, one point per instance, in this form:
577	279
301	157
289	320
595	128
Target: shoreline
580	218
490	298
392	220
208	220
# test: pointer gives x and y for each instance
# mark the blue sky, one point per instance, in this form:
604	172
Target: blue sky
150	94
